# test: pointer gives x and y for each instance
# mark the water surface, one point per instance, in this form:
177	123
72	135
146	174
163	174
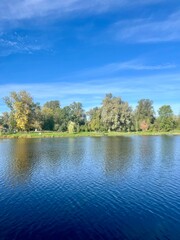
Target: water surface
90	188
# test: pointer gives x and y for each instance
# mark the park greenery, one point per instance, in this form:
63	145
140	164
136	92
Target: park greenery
114	115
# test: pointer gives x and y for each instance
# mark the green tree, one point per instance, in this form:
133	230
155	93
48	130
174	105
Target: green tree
5	120
116	114
8	121
38	118
177	120
110	112
54	105
165	121
65	117
165	111
51	115
144	114
94	119
77	114
126	117
48	119
71	127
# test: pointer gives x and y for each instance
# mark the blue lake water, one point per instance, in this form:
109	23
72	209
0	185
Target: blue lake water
90	188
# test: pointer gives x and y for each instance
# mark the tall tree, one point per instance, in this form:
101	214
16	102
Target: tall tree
94	119
165	111
65	118
5	120
77	114
126	117
47	118
116	114
51	115
22	109
110	112
144	114
165	121
38	119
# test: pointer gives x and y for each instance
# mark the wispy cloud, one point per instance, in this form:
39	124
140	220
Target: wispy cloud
134	65
148	30
90	93
13	13
26	9
15	43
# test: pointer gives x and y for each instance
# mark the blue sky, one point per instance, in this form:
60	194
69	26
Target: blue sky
78	50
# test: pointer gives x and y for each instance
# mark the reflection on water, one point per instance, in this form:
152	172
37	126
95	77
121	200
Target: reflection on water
90	188
168	150
111	155
23	159
117	156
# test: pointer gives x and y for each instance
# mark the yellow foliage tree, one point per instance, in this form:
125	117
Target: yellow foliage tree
22	108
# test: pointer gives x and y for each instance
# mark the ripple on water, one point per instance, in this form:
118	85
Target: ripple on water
90	188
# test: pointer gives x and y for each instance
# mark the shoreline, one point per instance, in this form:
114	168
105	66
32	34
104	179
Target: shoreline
85	134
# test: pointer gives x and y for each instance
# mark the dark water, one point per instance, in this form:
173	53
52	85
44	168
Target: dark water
90	188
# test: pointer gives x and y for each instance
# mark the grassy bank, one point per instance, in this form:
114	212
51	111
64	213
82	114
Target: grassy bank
84	134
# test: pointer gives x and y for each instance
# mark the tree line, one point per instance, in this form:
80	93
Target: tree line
114	114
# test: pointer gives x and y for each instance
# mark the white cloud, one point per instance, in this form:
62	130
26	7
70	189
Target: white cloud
16	43
13	13
135	65
161	88
26	9
148	30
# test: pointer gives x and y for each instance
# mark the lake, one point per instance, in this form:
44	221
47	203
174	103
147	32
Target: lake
90	188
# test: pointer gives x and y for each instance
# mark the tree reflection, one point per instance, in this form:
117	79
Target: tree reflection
118	154
23	151
167	150
146	151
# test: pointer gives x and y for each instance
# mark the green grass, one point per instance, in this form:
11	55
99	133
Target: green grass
84	134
